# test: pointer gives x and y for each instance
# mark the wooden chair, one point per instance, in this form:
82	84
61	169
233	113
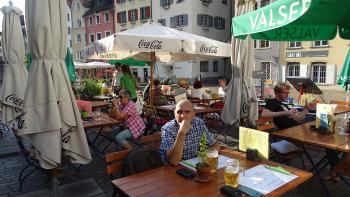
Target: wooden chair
114	167
151	140
340	102
266	124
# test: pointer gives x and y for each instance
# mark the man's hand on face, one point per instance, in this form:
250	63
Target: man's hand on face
185	126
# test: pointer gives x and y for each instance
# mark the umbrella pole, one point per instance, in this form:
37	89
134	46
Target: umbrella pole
153	59
54	182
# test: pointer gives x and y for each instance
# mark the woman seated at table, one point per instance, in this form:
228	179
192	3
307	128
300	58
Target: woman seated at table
157	94
198	92
125	110
184	88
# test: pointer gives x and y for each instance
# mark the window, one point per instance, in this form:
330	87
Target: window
90	21
264	44
293	69
162	22
215	66
179	1
68	18
295	44
321	43
266	67
165	3
79	55
121	1
179	21
70	43
318	72
78	5
78	38
68	31
204	20
204	66
97	18
264	3
107	33
219	22
98	36
79	22
92	38
144	12
121	17
106	17
132	15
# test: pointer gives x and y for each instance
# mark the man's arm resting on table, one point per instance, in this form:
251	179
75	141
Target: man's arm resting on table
175	153
269	114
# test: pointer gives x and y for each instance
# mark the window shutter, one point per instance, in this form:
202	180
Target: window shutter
129	15
185	17
216	20
148	12
172	22
330	74
210	22
136	15
199	19
118	17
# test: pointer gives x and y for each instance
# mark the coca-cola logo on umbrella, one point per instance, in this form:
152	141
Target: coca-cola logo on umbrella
14	100
208	49
155	44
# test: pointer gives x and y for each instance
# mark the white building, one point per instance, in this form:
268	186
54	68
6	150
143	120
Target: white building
69	26
206	18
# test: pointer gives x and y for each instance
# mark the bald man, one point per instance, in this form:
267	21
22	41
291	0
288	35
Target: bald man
181	136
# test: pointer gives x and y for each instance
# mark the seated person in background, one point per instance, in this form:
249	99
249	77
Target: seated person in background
222	91
283	117
157	94
183	89
124	109
181	136
198	92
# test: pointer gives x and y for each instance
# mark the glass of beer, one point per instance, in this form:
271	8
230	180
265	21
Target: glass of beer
232	172
213	159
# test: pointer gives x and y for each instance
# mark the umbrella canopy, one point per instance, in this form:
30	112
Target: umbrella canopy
130	62
70	66
241	101
168	44
291	20
344	77
52	120
15	74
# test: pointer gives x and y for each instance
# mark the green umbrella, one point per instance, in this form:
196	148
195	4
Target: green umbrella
70	66
344	78
292	20
28	60
130	62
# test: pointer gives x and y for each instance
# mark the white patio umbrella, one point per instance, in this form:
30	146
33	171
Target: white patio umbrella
152	41
52	120
241	101
15	74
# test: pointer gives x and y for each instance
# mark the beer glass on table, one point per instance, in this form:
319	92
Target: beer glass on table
232	172
213	160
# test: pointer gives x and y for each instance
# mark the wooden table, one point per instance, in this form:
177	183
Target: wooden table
164	181
98	104
198	109
98	127
341	109
303	135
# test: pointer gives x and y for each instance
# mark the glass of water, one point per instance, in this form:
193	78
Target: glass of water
98	114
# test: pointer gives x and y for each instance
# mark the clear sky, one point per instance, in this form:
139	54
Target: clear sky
17	3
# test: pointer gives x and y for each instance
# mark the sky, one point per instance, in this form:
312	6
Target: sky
17	3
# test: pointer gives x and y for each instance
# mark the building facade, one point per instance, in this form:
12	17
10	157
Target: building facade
206	18
69	28
78	9
320	60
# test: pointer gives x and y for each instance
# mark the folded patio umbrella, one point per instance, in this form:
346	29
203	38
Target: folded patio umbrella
52	120
70	66
344	77
15	74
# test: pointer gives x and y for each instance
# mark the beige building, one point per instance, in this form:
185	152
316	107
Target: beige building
320	60
78	27
130	14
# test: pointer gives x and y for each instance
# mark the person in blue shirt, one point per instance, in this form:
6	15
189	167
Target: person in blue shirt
181	136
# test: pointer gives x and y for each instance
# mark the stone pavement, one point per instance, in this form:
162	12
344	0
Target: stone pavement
94	174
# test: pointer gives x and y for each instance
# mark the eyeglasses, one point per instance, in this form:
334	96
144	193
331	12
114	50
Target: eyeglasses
285	92
121	96
179	112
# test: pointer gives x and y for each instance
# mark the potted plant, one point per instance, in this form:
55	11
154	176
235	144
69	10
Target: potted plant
89	89
203	168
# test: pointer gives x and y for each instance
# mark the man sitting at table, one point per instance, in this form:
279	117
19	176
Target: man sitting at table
181	136
125	110
283	117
